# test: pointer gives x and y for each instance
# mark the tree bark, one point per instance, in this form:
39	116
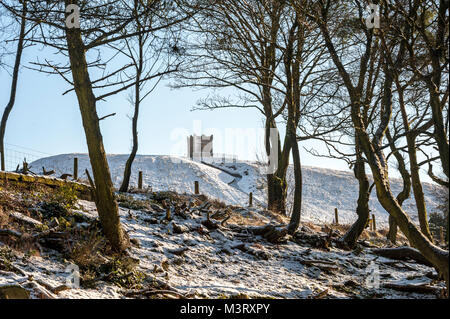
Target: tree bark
297	209
374	155
277	183
439	53
107	207
137	101
15	78
419	196
127	171
362	209
406	191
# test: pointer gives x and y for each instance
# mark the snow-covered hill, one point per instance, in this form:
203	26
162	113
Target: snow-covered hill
324	189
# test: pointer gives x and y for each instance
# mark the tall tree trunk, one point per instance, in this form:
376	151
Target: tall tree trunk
374	155
276	182
406	191
127	171
297	209
15	78
413	165
439	54
419	197
107	207
439	133
362	208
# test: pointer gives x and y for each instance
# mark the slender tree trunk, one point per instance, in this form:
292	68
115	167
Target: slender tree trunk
137	101
414	166
127	171
297	209
107	207
439	54
440	133
419	197
406	191
15	78
362	209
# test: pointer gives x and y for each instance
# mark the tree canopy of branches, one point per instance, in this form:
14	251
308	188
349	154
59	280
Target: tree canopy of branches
371	139
103	23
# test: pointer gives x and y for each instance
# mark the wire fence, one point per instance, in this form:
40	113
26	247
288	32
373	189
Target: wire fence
15	155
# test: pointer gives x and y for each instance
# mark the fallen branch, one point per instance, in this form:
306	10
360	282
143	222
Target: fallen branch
312	262
273	234
402	253
424	288
179	251
147	292
319	295
55	290
41	292
321	264
25	219
9	232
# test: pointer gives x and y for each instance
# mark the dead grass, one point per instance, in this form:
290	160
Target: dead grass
238	219
86	251
4	218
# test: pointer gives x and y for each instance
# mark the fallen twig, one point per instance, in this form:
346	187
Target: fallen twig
424	288
55	290
147	292
402	253
319	295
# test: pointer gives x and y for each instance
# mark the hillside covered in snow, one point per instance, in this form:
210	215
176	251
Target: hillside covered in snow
324	189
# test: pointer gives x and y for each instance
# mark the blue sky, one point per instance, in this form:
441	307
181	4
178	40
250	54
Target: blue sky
45	120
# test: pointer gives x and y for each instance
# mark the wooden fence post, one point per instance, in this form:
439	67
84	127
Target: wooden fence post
336	216
196	188
140	180
25	167
250	199
75	168
374	224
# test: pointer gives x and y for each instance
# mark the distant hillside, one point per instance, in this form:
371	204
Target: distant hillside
324	189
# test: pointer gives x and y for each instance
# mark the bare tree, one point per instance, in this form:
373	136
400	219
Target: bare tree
371	142
103	23
236	47
431	21
334	119
21	43
150	56
303	61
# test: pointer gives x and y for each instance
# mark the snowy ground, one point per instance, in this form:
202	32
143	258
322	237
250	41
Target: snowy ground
224	262
324	189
